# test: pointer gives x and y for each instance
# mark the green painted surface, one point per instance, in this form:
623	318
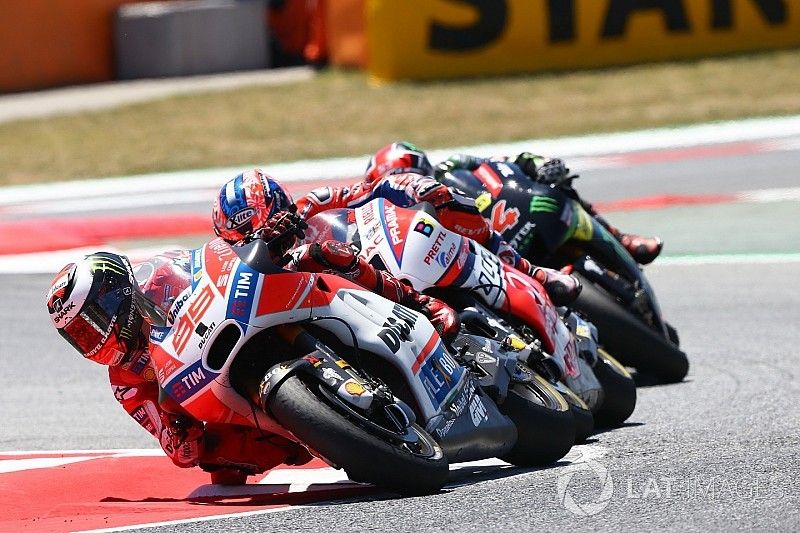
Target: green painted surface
738	228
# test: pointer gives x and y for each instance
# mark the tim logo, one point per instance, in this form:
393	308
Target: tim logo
424	227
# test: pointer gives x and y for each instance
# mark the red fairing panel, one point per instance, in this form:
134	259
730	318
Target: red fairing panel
529	302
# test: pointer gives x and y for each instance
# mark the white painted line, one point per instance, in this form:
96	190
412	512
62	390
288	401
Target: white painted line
727	259
586	146
771	195
119	452
299	480
52	262
17	465
94	204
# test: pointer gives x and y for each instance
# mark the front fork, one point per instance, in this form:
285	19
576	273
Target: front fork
336	376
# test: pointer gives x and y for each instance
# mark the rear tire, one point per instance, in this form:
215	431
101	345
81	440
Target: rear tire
672	333
545	426
584	419
619	391
630	339
365	457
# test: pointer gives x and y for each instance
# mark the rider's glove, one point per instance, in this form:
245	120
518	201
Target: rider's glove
562	288
441	315
440	170
468	162
552	171
281	231
181	439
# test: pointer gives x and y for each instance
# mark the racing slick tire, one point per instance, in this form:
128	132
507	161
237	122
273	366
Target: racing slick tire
545	426
346	441
619	391
632	341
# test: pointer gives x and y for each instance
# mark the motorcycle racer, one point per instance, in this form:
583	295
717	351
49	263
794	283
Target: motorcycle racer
402	174
554	172
254	205
96	305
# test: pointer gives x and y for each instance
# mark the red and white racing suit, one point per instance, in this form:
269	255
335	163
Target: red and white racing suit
187	441
455	211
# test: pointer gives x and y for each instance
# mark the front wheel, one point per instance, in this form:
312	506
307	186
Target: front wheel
417	467
545	426
619	398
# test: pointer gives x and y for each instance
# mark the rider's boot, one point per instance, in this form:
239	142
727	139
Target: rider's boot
643	249
228	476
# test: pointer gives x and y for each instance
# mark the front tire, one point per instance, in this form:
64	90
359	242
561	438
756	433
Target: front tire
630	339
619	391
365	457
545	426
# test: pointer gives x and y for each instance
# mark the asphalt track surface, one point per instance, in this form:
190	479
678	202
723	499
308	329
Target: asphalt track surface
719	451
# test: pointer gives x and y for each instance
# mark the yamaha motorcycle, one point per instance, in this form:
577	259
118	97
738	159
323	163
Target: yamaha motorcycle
549	227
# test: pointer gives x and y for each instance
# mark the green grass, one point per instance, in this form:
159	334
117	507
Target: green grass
339	114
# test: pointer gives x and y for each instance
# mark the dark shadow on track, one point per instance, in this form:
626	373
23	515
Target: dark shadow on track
331	494
601	430
647	380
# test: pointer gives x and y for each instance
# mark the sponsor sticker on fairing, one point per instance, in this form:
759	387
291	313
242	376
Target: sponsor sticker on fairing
477	411
439	374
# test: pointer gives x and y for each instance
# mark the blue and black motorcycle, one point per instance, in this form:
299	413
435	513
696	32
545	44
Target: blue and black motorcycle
548	226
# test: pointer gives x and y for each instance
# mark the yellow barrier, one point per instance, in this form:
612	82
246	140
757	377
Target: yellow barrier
427	39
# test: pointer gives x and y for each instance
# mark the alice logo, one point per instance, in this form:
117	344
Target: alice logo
424	227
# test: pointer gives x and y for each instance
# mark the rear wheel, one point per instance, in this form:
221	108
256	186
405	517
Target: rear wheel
545	426
672	333
630	339
584	419
619	391
412	463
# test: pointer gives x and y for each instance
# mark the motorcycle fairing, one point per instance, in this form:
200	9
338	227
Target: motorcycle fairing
544	230
467	426
465	264
253	301
394	333
545	213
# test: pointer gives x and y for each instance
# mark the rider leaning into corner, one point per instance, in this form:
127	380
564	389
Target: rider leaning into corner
554	172
402	175
92	304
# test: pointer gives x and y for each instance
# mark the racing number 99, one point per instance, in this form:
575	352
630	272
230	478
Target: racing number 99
191	318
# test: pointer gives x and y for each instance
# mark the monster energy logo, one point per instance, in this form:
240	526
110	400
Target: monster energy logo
98	262
543	204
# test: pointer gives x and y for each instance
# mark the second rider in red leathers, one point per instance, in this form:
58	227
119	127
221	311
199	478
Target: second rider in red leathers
402	175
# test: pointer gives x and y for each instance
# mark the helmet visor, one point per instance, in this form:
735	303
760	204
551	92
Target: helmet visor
103	326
